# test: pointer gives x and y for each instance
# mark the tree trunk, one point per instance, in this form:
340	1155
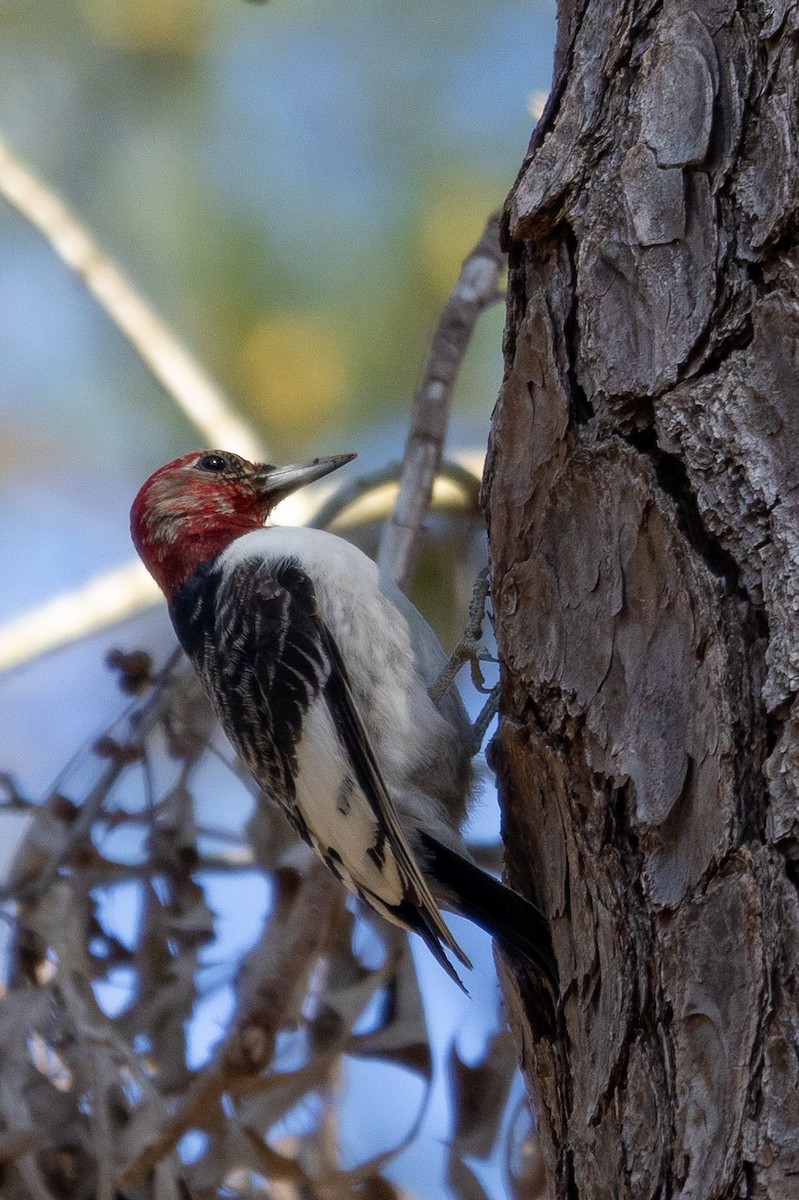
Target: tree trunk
642	499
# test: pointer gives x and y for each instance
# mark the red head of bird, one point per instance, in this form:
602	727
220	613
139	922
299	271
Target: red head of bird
190	509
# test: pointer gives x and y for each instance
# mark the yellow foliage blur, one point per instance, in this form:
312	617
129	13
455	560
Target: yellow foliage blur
297	367
176	26
452	222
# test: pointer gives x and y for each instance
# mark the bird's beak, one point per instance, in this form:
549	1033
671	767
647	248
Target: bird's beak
277	482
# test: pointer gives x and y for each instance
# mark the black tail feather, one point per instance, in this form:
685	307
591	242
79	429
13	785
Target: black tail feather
413	918
507	916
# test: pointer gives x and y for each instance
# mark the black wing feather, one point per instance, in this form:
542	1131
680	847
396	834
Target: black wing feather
264	654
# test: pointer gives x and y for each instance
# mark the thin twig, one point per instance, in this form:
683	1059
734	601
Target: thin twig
200	399
17	1116
28	1171
475	289
101	1046
364	493
103	601
272	985
27	877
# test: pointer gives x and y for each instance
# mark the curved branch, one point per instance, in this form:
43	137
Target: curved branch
475	289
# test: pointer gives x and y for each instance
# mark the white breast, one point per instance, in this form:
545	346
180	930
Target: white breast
373	636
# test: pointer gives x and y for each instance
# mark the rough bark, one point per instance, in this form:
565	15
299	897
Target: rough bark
642	499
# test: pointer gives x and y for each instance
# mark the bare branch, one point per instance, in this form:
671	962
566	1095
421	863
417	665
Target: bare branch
199	398
475	289
459	489
38	860
98	604
271	990
17	1119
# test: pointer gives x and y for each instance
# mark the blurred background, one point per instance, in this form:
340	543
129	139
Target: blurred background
293	187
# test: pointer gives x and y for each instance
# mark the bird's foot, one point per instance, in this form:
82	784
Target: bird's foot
471	649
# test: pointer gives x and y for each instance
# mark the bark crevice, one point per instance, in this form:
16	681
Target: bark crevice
642	492
672	477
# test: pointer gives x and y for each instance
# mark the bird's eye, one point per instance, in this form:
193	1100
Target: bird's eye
212	462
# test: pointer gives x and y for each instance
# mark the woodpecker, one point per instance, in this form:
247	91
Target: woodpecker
318	669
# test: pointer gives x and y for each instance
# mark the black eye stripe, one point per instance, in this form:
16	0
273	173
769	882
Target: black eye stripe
213	462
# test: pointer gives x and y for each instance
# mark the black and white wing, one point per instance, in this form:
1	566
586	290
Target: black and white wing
281	690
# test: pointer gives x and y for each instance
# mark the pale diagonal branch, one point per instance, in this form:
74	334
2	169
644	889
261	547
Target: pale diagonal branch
101	602
117	594
184	381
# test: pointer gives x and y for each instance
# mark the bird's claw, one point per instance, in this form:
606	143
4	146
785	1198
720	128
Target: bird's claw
472	649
